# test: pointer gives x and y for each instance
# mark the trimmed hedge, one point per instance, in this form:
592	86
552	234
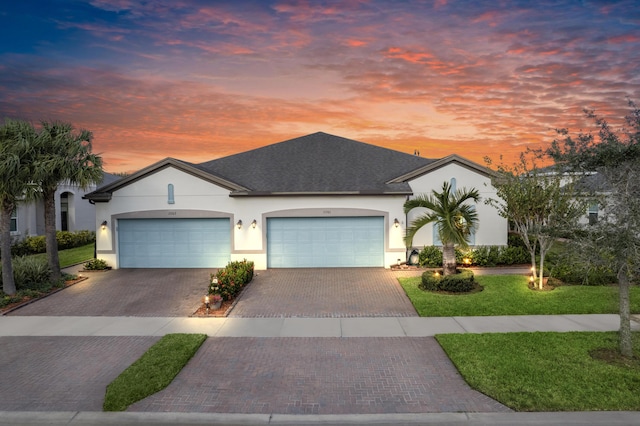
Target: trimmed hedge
231	279
431	256
461	282
66	240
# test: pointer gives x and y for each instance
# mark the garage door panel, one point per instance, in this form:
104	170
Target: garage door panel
325	242
174	243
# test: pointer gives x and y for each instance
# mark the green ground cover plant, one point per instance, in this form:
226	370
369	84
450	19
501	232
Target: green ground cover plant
510	295
153	371
574	371
31	274
73	256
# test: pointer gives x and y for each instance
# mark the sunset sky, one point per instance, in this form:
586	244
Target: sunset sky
198	80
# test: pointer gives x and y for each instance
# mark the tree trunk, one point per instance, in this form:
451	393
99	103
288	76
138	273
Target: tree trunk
448	259
626	347
8	282
50	233
541	278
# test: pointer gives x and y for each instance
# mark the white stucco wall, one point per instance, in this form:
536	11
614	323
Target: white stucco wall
194	197
492	229
81	213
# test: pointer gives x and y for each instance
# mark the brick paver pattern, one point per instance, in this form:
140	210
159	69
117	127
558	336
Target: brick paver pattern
330	292
128	292
319	376
63	373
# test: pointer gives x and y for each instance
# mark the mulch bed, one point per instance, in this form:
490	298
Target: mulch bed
214	313
27	299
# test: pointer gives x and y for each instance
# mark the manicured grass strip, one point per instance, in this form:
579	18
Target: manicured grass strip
72	256
153	371
546	371
510	295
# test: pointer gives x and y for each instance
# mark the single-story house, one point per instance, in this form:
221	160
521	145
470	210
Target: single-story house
314	201
72	212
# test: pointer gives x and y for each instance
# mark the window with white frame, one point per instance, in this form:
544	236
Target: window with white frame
14	221
593	214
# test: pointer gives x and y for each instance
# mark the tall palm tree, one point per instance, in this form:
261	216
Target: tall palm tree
455	220
63	156
16	154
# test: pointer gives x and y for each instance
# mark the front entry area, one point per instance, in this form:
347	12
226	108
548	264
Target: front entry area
174	243
323	242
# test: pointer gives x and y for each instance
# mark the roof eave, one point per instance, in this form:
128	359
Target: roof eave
454	158
318	193
98	194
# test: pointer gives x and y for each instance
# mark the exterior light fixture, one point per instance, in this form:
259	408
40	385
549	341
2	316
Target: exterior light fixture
254	223
206	302
239	224
396	223
437	274
104	225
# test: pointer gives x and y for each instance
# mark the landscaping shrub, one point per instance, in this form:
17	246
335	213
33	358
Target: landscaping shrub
430	257
66	240
458	283
231	279
579	273
96	265
31	273
513	255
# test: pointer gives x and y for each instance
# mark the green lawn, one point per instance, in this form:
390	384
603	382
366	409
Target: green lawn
510	295
547	371
153	371
72	256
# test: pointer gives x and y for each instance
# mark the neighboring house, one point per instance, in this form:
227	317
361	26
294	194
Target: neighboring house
72	212
315	201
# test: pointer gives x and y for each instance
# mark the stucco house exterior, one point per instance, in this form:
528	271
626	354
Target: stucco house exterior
72	212
314	201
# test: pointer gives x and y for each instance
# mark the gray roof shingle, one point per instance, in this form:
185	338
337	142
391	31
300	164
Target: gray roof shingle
318	163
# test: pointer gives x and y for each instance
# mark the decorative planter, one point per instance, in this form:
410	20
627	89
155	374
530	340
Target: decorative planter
216	305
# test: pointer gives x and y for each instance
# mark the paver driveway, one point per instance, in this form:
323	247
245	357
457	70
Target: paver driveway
127	292
324	292
344	292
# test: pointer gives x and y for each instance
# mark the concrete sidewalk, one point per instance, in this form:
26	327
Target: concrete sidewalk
303	327
614	418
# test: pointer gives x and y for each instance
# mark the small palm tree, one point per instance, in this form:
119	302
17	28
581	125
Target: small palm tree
454	219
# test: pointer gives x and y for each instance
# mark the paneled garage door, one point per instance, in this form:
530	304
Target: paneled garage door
325	242
174	243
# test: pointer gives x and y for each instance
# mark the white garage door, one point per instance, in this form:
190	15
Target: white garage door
325	242
174	243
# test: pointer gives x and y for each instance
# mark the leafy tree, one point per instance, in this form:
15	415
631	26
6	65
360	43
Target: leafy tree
540	205
16	151
614	241
63	156
454	219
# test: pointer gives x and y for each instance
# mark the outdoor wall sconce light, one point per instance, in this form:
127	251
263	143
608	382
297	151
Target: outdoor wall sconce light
254	223
239	224
104	225
396	223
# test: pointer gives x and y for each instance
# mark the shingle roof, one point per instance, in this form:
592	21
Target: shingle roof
319	163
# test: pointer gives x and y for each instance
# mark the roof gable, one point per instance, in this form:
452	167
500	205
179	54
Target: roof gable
436	164
319	163
103	193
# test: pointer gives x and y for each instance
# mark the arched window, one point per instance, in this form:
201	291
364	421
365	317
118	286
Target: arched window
170	199
452	184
